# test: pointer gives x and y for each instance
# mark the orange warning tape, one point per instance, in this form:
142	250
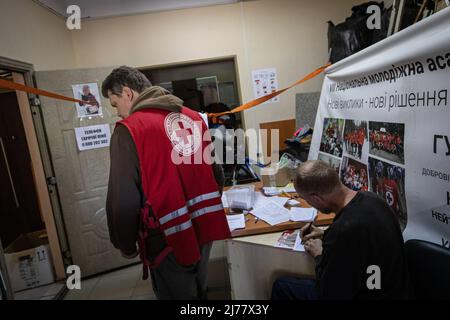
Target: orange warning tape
260	100
17	86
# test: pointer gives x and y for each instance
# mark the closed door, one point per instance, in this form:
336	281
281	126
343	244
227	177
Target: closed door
81	176
19	210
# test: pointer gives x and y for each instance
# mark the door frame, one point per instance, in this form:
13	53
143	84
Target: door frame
4	275
206	60
40	162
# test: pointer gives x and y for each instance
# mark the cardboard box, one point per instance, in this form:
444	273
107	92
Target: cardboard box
274	177
29	261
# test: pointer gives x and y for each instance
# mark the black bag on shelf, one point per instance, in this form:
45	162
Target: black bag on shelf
353	35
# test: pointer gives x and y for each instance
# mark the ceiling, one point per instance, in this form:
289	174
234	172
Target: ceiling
93	9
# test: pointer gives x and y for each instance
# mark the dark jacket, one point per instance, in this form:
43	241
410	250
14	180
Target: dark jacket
125	196
365	233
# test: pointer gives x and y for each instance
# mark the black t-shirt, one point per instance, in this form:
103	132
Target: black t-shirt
366	232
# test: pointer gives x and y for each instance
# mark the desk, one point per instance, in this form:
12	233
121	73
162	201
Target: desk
254	263
252	227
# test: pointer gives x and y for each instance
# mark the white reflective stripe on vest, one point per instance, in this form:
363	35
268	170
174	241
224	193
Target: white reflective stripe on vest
172	215
178	228
183	210
203	197
206	210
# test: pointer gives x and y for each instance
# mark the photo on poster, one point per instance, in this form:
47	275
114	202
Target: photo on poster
87	92
354	174
332	161
386	140
265	82
356	139
332	136
388	181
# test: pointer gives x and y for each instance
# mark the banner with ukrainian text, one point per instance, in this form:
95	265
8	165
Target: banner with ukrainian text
384	123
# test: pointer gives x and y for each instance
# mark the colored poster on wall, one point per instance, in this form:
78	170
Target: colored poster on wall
383	124
265	82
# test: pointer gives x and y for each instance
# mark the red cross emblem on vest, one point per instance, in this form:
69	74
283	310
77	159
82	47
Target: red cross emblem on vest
183	132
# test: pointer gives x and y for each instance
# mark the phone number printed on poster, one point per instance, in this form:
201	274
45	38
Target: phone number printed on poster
93	137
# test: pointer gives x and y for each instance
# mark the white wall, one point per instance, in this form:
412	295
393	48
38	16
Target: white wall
33	34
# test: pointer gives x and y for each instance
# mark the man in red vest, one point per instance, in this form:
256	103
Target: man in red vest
171	208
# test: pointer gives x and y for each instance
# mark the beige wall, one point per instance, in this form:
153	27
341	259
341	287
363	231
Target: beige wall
33	34
289	35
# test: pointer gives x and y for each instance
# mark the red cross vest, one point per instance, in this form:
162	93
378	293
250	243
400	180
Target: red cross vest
178	183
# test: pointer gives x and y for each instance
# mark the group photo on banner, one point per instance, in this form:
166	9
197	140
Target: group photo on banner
383	124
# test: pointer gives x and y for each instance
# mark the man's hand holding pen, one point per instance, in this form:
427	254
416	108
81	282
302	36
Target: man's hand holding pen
312	239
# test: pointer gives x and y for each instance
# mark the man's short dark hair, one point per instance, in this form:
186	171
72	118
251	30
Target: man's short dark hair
315	176
124	77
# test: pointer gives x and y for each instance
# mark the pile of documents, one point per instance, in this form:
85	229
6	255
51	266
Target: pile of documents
236	221
272	210
274	191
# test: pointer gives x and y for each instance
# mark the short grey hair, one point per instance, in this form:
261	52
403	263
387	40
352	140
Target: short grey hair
315	176
125	77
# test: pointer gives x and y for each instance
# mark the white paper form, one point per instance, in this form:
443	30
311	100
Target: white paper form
303	214
236	221
272	213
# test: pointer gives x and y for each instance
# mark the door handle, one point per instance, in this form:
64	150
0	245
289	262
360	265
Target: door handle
11	181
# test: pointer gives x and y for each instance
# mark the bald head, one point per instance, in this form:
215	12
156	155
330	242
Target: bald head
315	176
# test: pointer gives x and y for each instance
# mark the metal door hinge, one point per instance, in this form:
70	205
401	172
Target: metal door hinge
35	102
51	181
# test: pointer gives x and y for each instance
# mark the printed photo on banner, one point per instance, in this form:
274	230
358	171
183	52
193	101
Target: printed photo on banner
388	181
354	174
334	162
356	140
332	136
386	140
87	92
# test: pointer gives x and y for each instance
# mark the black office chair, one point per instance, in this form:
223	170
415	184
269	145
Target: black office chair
429	266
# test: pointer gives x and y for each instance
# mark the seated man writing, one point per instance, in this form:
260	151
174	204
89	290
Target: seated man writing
360	256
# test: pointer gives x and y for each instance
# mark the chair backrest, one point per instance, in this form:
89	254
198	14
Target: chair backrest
429	268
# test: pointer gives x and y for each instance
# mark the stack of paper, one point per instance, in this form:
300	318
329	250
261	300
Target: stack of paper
272	213
303	214
224	200
274	191
236	221
261	200
288	188
271	191
293	202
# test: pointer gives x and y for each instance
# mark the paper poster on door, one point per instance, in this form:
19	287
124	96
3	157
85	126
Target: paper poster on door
93	137
265	82
87	92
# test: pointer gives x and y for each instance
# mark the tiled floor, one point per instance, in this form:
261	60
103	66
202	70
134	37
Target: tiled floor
127	283
48	292
124	284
